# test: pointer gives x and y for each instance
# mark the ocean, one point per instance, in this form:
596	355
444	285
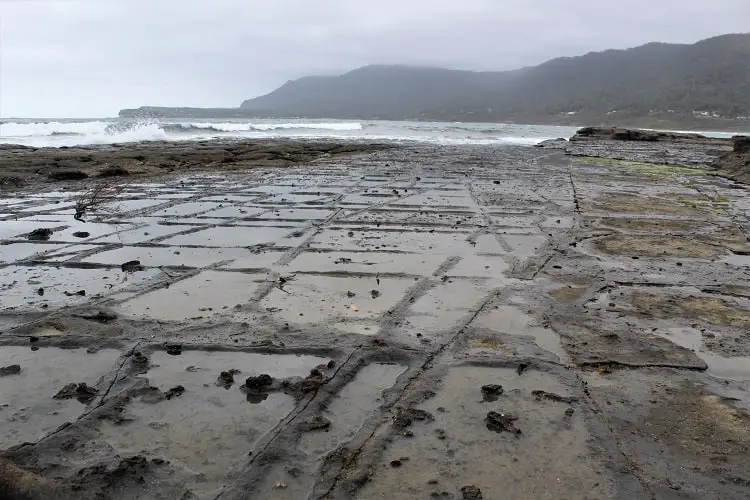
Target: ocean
78	132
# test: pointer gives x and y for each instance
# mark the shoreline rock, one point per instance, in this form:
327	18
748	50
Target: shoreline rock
649	146
25	166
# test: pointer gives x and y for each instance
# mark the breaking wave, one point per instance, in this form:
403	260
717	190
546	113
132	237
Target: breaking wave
257	127
41	129
81	133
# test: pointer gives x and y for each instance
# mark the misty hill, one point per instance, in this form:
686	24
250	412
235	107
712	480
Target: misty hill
376	92
657	79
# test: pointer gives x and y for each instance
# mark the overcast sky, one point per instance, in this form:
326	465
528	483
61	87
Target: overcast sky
90	58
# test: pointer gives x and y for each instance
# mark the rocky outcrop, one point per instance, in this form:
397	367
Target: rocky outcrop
22	165
640	135
741	144
649	146
559	143
736	164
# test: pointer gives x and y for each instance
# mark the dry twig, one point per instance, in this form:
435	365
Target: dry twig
98	197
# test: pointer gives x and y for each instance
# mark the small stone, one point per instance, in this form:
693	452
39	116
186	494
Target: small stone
471	492
42	234
82	392
502	422
10	370
226	378
317	423
491	392
174	349
261	381
174	392
404	417
131	266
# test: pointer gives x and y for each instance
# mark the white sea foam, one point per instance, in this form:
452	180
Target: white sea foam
55	134
75	133
262	127
41	129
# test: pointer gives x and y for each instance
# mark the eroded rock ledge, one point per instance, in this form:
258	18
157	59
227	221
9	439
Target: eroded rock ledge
730	157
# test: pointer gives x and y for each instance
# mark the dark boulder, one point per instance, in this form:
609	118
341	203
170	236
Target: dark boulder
41	234
68	175
741	144
10	370
114	172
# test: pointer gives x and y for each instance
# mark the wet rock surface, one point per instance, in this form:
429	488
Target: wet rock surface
28	166
368	322
691	150
81	392
736	164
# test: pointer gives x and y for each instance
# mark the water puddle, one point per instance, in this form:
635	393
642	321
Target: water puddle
73	234
734	368
229	198
66	252
142	234
480	267
27	409
351	408
44	286
367	262
205	295
737	260
47	207
442	307
413	217
174	196
309	300
366	199
49	218
134	205
411	241
435	199
8	203
265	259
298	214
187	209
17	228
524	245
513	321
288	198
267	190
234	212
487	243
168	256
22	251
454	446
208	428
238	236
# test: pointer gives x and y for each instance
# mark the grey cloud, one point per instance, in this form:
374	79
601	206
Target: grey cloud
90	58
